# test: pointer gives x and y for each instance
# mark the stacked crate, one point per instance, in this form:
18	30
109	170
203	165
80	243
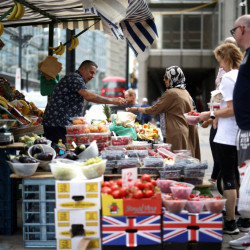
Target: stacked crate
38	212
8	207
131	222
77	213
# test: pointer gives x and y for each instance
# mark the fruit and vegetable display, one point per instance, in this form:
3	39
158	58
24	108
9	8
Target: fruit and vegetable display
145	187
93	167
20	159
14	106
192	117
147	131
64	169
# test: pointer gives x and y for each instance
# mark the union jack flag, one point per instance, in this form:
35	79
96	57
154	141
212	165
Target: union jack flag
203	227
131	231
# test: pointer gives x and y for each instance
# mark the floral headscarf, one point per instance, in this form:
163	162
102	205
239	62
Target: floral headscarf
176	77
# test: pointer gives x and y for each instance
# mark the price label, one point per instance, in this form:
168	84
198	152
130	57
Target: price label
129	177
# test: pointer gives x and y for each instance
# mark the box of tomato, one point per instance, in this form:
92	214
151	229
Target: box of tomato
131	206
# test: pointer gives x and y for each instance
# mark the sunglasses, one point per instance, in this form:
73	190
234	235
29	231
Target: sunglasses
232	31
165	77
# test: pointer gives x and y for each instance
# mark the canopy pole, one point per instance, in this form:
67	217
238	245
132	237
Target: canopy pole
70	55
51	38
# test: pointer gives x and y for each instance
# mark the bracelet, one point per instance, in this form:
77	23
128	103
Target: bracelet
137	109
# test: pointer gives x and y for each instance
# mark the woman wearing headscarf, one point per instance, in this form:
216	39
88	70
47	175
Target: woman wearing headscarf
174	102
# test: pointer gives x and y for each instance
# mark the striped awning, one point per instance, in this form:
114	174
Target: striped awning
63	14
130	19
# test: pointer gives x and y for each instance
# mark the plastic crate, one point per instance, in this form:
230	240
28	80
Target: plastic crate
8	198
38	213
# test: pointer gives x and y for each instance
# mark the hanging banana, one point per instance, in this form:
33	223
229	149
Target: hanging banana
13	12
20	11
72	43
1	28
76	42
59	50
17	11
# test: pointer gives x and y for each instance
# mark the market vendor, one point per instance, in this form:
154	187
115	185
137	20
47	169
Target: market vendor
174	102
67	101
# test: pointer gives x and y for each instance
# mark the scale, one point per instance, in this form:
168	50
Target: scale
6	136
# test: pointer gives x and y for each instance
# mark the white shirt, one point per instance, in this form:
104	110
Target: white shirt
227	127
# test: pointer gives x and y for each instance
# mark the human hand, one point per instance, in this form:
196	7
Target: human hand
206	123
119	101
204	116
132	109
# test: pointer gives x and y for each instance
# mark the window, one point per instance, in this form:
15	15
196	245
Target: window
171	31
192	32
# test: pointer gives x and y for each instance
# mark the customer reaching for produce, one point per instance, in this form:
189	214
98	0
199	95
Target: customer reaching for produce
174	102
67	101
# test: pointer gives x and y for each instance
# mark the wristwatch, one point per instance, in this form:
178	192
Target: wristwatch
212	115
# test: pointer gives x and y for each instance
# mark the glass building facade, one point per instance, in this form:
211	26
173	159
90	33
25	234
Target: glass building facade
25	47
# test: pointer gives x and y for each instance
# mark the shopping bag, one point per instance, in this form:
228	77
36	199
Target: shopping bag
120	130
244	193
47	86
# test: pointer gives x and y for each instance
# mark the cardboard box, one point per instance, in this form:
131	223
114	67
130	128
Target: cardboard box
71	244
131	231
71	223
130	206
184	227
79	194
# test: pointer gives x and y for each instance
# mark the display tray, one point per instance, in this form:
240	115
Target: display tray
18	132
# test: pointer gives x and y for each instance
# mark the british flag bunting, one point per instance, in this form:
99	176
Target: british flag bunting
203	227
131	231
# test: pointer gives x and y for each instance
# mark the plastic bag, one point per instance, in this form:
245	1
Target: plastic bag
244	193
120	130
125	119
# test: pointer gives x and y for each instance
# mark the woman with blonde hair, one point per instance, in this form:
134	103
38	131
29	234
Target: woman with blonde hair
229	57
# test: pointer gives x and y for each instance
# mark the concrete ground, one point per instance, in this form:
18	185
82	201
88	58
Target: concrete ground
15	241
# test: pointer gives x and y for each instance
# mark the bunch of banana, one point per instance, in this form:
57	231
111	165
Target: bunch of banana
3	102
59	50
17	11
1	28
74	43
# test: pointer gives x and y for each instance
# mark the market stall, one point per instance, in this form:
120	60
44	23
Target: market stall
119	185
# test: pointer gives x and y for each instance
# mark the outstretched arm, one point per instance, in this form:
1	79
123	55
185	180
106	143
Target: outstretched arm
92	97
136	109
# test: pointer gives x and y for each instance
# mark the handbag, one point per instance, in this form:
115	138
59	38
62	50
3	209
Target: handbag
47	86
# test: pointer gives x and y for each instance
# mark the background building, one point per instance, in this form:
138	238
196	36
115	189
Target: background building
187	39
25	47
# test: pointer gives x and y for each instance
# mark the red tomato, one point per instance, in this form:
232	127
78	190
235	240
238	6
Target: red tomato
148	193
106	190
141	185
138	194
134	189
148	185
106	184
116	194
114	187
119	182
124	191
153	182
146	177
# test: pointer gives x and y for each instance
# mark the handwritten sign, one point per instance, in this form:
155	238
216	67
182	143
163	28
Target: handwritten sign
129	177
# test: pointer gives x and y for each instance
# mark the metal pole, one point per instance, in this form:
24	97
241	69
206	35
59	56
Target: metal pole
127	65
20	41
70	55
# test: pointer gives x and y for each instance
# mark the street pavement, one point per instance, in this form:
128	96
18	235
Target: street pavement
15	242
